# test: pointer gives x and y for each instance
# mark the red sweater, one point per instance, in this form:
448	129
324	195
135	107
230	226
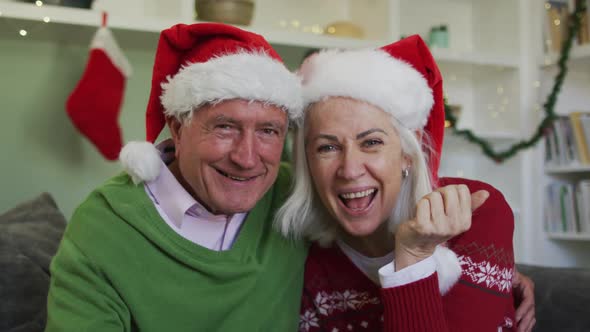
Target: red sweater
337	296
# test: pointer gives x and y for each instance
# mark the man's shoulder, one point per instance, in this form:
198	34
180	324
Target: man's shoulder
117	187
283	184
106	205
285	173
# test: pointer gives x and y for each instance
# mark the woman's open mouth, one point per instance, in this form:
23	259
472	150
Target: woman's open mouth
358	202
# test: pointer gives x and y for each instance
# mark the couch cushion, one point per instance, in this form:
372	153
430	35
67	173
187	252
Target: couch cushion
562	296
29	237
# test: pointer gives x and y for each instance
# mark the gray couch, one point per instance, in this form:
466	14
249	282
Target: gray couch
562	298
30	234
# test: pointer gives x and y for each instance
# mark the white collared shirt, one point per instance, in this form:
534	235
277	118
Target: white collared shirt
187	217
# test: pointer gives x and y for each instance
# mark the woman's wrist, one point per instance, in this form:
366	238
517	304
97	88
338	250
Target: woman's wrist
405	257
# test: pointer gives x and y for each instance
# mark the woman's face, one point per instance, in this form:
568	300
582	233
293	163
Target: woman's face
355	159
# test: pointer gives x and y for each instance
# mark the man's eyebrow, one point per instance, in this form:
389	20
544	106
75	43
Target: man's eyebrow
224	118
275	124
369	132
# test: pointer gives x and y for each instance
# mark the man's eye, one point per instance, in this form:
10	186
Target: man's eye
372	142
326	148
270	131
223	126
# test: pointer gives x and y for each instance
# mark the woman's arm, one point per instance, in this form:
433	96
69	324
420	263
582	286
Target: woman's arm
481	300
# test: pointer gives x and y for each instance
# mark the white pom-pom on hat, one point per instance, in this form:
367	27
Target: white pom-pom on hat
448	268
141	160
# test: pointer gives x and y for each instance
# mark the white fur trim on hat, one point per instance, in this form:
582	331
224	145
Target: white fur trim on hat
373	76
448	268
141	160
249	76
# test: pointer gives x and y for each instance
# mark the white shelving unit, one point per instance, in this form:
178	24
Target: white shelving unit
553	248
568	236
487	68
567	169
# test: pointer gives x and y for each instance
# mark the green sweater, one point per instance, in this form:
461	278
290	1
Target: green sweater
120	267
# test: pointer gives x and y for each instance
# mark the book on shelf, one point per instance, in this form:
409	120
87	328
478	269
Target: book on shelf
564	208
583	204
583	34
567	140
556	23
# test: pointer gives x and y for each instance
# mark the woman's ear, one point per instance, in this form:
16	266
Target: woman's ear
406	162
419	133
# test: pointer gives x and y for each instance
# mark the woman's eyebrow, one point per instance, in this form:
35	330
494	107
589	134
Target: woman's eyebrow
328	137
369	132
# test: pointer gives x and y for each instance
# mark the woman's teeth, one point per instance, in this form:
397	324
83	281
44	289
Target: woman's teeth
358	194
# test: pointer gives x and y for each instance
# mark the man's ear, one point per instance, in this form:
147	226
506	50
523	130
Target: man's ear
175	128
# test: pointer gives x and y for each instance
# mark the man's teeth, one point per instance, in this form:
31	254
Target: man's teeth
236	178
358	194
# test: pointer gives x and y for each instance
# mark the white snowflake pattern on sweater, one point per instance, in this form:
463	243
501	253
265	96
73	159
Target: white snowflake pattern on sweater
327	303
308	320
486	273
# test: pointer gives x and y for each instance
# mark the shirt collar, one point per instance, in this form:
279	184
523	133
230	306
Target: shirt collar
174	200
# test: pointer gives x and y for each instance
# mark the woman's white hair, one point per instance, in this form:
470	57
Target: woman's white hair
303	215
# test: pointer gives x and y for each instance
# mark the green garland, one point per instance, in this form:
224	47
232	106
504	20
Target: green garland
500	156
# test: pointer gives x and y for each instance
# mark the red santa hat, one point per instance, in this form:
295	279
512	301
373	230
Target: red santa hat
401	78
207	63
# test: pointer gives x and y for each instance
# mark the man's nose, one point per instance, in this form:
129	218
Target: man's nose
244	152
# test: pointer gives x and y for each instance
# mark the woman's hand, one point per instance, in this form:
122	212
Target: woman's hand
440	215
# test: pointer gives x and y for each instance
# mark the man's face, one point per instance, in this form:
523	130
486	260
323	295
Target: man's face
229	153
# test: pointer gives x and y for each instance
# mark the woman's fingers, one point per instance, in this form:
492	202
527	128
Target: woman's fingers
478	198
437	208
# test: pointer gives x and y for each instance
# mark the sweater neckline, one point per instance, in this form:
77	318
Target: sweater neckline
369	266
165	237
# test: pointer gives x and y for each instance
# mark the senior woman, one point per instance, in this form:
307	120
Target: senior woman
397	249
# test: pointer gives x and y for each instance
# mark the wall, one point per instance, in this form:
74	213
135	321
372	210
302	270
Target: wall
42	150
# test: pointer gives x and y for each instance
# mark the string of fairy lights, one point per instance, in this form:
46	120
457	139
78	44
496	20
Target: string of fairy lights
23	32
485	145
549	105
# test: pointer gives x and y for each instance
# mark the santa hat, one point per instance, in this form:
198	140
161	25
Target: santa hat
401	78
207	63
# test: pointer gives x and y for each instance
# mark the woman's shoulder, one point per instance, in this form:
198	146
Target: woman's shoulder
473	185
492	223
495	208
485	251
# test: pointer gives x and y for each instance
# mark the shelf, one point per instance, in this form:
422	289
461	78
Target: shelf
568	236
472	58
578	54
91	18
552	169
27	14
499	136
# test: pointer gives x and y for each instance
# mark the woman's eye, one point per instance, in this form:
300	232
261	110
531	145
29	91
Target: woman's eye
326	148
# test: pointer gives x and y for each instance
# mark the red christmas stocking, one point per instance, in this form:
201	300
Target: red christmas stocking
95	103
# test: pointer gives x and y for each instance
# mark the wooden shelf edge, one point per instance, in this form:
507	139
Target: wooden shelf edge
565	169
92	18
